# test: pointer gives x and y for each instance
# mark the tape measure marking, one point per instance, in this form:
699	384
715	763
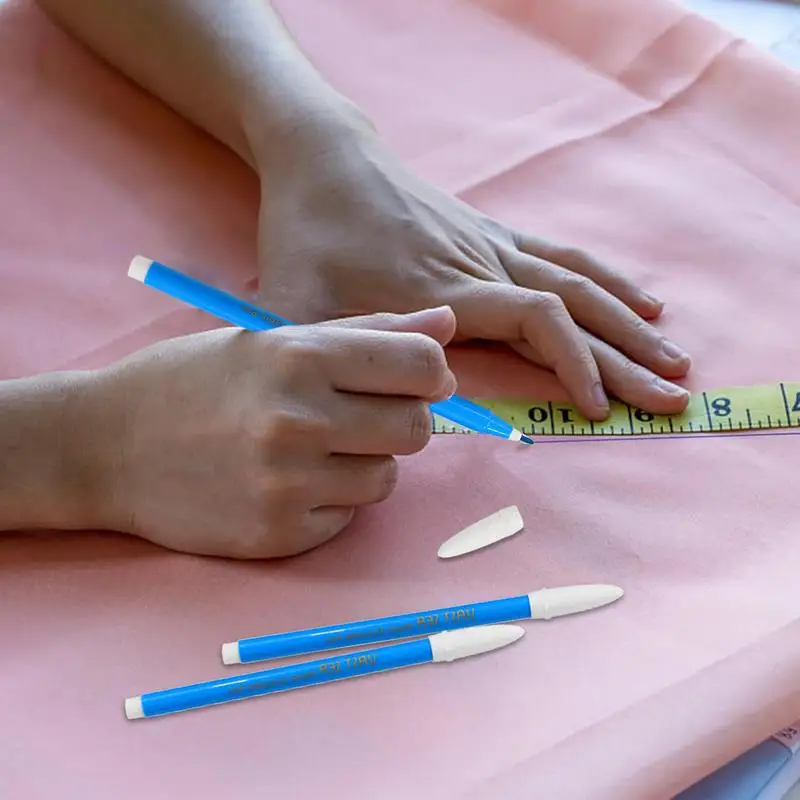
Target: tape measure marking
738	408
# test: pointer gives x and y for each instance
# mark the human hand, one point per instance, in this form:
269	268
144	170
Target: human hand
257	445
346	229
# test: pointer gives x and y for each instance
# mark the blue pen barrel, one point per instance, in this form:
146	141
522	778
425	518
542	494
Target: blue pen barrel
472	416
402	626
280	679
220	304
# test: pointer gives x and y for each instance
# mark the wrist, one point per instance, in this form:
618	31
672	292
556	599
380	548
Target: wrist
317	121
52	473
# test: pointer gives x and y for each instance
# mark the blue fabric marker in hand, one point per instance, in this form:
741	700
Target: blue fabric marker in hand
250	317
441	647
543	604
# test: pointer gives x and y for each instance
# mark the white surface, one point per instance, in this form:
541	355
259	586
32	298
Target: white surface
772	25
491	529
549	603
133	707
139	268
794	794
451	645
230	653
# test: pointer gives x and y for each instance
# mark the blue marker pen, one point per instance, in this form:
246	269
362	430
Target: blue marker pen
441	647
251	317
544	604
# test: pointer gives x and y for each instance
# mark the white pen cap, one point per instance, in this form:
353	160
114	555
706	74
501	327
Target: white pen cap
133	707
230	653
139	268
489	530
465	642
548	603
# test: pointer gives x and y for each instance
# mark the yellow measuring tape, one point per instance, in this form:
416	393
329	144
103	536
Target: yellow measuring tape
740	408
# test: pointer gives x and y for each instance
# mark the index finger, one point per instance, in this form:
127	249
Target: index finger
387	363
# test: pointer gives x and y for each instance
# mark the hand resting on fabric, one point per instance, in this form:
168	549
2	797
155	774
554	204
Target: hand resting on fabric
226	443
347	229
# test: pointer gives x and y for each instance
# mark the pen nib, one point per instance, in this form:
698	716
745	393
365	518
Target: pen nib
526	439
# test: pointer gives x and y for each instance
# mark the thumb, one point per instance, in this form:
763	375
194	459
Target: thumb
438	323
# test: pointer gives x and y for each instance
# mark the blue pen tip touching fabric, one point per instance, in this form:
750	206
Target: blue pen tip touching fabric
526	439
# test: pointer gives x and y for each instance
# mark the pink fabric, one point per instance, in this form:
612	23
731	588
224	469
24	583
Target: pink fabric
634	129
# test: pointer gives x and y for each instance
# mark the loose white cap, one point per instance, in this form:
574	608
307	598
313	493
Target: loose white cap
133	707
491	529
548	603
139	268
230	653
465	642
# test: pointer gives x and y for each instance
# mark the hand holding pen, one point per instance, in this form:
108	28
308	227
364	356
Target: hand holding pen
245	315
263	446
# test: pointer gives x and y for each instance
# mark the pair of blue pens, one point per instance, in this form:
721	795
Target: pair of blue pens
446	634
250	317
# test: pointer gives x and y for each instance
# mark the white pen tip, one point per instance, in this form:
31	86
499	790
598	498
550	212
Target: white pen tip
549	603
230	653
465	642
133	707
139	268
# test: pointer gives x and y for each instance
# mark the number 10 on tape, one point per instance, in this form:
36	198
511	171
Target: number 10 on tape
763	407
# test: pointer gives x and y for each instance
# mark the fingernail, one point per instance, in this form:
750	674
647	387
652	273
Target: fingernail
673	351
670	388
652	299
430	311
599	396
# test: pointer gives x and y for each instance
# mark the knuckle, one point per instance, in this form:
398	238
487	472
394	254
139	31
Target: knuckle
419	427
291	428
629	370
282	493
430	358
574	361
387	473
574	255
550	303
638	336
645	331
578	284
294	356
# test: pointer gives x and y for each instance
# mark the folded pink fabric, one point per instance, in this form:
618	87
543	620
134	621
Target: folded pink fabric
633	129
